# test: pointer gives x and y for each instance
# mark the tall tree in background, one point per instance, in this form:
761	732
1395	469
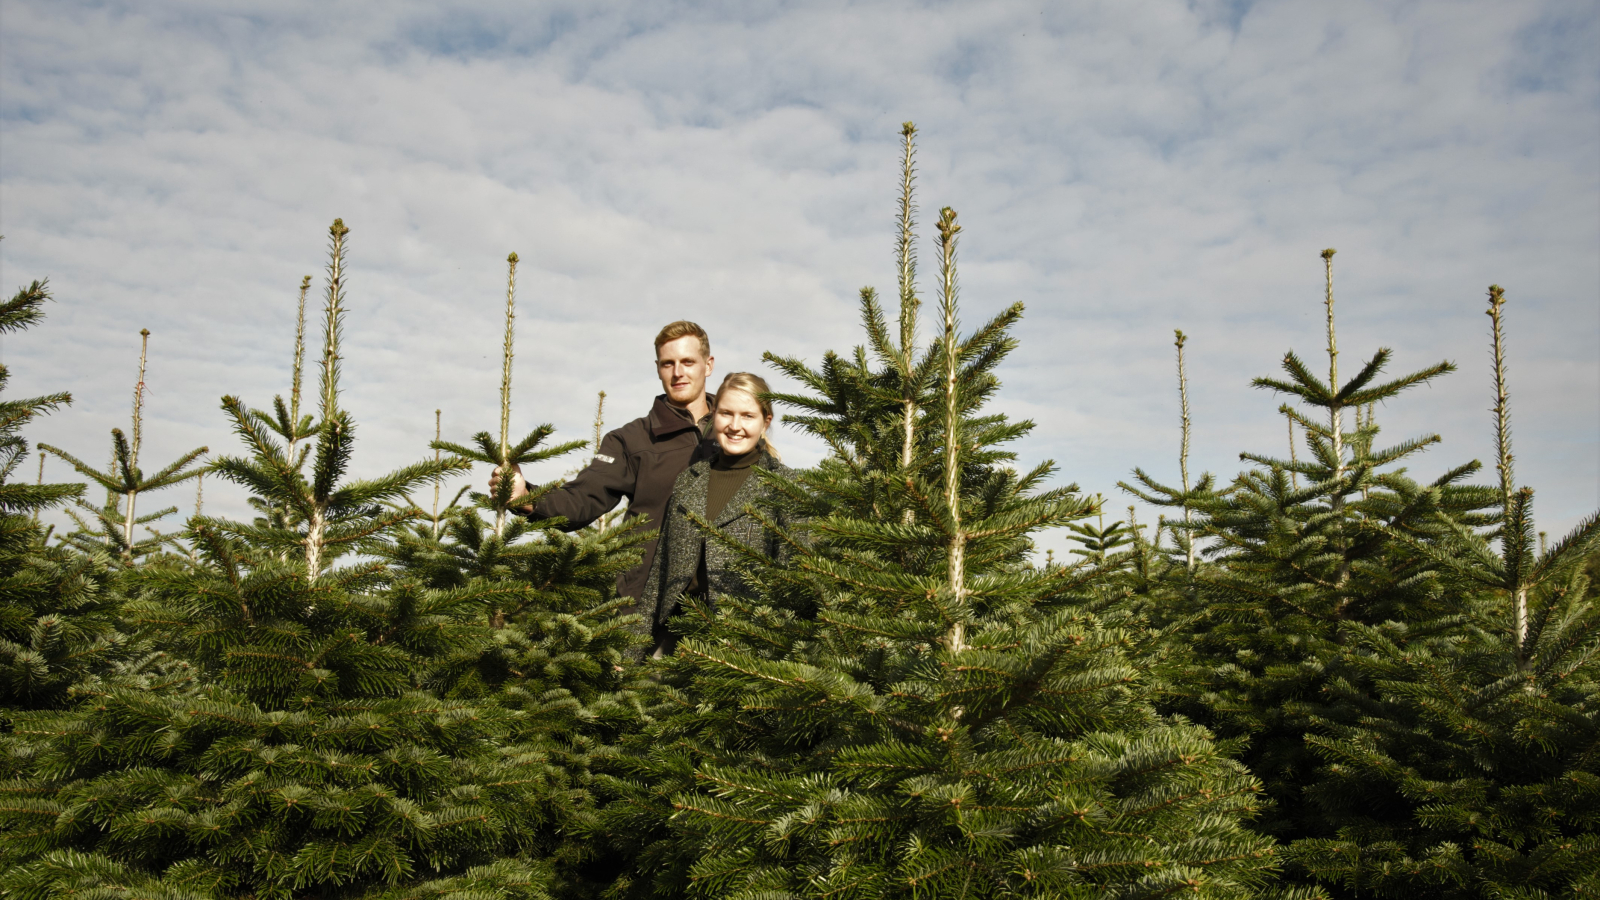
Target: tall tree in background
115	523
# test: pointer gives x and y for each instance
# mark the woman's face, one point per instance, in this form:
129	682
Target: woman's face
738	422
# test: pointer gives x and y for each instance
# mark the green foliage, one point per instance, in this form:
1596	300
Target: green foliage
113	524
1470	770
555	653
1292	564
58	623
219	795
335	748
57	626
554	588
323	516
1460	779
910	709
21	499
485	449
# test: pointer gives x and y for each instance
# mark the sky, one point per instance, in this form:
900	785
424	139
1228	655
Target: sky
1121	168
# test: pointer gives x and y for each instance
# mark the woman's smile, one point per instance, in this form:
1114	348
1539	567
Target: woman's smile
739	423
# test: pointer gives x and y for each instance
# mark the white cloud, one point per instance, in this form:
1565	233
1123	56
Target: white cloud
1123	168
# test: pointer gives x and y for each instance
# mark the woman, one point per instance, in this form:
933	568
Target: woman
716	488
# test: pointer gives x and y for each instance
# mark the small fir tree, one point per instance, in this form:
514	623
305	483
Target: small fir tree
558	643
114	524
555	591
292	426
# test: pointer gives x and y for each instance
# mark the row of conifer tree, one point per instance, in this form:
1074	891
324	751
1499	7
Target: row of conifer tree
1327	677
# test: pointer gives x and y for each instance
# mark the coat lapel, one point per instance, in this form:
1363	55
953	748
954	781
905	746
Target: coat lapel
692	496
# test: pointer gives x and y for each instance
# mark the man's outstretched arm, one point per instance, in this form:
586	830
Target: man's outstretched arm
593	492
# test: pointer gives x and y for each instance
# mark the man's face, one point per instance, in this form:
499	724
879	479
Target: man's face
683	369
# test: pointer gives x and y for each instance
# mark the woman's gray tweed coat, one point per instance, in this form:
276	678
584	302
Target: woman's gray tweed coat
681	538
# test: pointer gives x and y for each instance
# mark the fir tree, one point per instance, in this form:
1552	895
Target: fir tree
24	309
291	425
1290	566
558	646
550	596
1470	770
114	523
474	554
324	518
57	623
555	591
1161	495
1098	542
911	709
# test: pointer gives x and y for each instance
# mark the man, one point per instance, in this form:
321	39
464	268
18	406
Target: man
642	459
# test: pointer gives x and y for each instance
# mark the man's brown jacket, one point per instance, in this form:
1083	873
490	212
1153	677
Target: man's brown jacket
639	461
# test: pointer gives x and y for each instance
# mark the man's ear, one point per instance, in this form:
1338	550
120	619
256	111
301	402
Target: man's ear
711	363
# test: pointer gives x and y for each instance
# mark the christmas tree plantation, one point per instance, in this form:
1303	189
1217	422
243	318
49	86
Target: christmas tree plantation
1338	674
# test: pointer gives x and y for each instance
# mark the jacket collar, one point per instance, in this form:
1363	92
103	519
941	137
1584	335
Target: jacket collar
666	419
695	495
702	461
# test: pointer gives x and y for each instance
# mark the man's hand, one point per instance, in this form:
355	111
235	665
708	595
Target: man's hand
519	485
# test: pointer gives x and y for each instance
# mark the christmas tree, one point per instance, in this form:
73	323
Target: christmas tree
558	644
1418	704
1469	770
1290	563
911	708
114	525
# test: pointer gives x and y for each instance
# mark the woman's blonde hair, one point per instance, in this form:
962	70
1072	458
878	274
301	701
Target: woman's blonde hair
756	386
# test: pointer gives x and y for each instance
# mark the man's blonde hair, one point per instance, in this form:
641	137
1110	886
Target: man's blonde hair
681	329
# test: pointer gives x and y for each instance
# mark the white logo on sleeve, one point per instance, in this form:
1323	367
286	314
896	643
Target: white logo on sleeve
601	457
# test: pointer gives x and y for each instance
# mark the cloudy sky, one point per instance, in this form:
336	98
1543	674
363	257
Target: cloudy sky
1123	168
